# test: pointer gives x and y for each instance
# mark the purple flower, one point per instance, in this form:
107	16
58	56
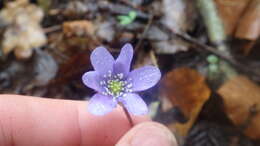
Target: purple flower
115	83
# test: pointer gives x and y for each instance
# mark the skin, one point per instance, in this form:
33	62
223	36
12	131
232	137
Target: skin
38	121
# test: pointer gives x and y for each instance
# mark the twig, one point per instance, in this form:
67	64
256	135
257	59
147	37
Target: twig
128	116
126	2
52	29
198	45
138	45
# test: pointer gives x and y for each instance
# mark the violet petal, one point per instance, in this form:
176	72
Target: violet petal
144	78
123	61
92	80
102	60
134	104
100	104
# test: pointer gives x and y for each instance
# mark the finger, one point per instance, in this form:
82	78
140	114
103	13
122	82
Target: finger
148	134
37	121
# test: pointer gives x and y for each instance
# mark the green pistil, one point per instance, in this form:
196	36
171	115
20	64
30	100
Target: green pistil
115	87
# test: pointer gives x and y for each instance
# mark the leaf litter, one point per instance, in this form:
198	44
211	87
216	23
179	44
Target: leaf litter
45	48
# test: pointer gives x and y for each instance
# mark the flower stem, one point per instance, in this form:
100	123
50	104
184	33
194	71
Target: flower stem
128	116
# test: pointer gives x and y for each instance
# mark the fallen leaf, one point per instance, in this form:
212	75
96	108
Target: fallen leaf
249	25
187	90
23	32
242	104
170	47
106	31
73	68
45	68
179	15
78	28
229	16
78	9
163	44
17	77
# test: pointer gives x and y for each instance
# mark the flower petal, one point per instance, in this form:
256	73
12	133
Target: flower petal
134	104
102	60
91	79
123	61
144	78
100	104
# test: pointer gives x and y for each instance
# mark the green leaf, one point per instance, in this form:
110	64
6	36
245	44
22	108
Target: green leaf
126	21
213	59
132	15
122	17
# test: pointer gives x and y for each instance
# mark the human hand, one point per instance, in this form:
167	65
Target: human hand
32	121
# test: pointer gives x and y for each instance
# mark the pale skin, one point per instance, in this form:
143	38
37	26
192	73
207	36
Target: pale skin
26	121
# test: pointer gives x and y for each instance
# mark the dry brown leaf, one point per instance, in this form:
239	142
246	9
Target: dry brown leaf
73	68
78	28
179	15
230	12
23	32
187	90
240	17
249	24
241	96
105	30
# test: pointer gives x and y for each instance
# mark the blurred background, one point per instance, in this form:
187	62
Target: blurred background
207	50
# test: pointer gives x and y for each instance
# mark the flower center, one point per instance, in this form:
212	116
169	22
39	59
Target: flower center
116	85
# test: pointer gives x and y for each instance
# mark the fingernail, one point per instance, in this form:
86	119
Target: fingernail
153	135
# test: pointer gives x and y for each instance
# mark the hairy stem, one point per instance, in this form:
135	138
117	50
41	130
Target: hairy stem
128	116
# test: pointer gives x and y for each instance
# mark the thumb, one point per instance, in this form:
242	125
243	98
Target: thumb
148	134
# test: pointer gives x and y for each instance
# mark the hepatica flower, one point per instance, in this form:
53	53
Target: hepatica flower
114	82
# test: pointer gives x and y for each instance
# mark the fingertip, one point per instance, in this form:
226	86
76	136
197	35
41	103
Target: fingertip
148	134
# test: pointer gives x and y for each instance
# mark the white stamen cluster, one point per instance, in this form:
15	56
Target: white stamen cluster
116	85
